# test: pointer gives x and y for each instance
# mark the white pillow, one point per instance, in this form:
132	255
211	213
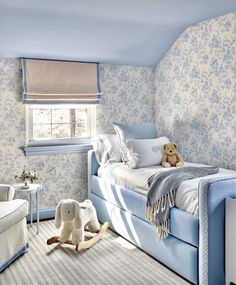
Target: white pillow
107	149
145	152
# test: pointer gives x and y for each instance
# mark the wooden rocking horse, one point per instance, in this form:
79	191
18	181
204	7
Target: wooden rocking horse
77	217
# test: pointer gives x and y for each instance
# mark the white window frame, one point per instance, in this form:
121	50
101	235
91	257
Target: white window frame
67	141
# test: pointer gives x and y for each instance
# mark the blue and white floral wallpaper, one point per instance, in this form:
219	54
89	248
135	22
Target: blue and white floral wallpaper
128	96
191	95
195	92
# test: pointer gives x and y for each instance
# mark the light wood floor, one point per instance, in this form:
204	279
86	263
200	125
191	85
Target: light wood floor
112	261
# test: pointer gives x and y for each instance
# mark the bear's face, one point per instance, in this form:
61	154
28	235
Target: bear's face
170	148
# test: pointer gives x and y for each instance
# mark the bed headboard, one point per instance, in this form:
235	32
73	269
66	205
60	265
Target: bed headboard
93	166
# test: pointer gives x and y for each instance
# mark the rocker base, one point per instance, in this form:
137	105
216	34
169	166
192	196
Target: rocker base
84	244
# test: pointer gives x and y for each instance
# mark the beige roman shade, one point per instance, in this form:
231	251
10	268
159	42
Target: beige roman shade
60	82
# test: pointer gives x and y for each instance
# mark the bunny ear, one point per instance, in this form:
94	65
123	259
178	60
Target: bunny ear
77	219
58	215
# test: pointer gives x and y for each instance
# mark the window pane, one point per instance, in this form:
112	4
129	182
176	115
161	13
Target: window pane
41	116
41	132
60	115
62	123
81	123
60	131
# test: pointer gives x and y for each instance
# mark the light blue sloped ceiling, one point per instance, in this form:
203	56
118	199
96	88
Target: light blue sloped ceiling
125	32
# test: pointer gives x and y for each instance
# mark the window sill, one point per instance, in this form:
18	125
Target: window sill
56	149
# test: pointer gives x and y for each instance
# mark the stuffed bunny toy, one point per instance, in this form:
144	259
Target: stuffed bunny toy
75	217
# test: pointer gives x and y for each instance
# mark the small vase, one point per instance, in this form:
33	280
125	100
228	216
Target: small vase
26	185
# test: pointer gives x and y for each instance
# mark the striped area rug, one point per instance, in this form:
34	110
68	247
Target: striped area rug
112	261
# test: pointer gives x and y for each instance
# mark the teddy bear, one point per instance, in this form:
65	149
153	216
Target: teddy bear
75	216
170	156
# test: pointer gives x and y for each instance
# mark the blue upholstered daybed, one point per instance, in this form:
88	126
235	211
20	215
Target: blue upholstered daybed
195	247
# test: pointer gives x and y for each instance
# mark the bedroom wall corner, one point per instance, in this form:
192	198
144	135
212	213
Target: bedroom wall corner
65	175
195	92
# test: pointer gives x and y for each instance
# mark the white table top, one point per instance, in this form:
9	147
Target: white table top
32	187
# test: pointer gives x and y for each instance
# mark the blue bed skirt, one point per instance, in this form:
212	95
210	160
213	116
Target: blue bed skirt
15	256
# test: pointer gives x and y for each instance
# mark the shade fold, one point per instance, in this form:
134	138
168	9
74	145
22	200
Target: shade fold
60	82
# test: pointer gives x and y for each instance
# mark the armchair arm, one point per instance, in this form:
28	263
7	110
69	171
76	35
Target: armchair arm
6	192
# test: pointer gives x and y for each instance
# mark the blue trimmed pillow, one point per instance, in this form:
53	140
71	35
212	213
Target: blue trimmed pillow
125	132
147	152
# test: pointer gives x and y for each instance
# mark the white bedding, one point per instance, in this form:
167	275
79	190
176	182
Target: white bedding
137	180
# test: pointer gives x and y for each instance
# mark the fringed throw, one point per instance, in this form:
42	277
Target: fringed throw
161	194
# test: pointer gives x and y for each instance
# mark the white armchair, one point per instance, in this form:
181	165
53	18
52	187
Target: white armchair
13	228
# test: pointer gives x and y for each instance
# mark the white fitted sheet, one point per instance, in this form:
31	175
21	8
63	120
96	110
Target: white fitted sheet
137	179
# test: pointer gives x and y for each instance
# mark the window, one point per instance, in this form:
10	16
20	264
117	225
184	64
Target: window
59	125
56	126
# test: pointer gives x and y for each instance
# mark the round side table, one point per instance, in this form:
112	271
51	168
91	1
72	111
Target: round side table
33	189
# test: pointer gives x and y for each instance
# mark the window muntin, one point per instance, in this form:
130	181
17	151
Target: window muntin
60	124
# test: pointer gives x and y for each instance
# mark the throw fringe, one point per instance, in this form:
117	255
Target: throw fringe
162	230
161	194
165	202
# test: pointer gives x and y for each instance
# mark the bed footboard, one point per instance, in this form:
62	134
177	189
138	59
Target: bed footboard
212	194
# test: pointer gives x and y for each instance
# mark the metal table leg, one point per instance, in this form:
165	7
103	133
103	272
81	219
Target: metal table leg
31	213
37	210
